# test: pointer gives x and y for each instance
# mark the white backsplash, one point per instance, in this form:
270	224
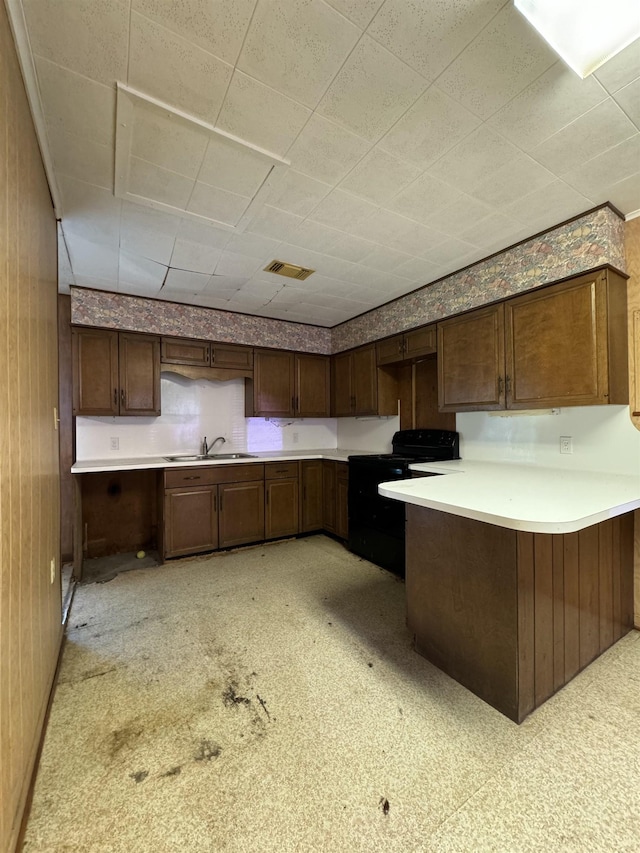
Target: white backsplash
192	409
373	434
604	439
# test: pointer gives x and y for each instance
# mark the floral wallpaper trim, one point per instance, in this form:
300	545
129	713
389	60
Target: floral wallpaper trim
117	311
589	241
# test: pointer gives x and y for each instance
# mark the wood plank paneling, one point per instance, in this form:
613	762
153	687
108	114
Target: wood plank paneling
65	413
558	613
605	583
526	624
571	605
543	607
589	595
30	614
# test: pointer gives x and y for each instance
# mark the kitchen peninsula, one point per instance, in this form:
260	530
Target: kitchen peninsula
517	576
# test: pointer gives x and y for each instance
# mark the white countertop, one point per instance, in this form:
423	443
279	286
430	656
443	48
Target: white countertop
88	466
520	497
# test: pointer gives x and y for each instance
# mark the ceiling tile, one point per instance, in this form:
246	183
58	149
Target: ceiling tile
429	35
371	91
325	151
260	115
385	259
418	269
614	165
502	60
233	264
203	232
150	181
625	195
493	229
217	204
224	285
92	213
359	11
75	104
195	257
297	193
416	239
192	282
167	67
379	176
517	177
96	283
233	167
82	35
459	214
297	47
300	255
314	235
422	198
253	245
341	210
140	272
80	158
161	138
349	248
621	69
484	151
218	26
433	125
548	206
550	103
183	297
92	259
629	99
148	232
589	135
451	252
271	222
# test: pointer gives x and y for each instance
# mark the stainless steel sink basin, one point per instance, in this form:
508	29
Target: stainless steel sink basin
194	457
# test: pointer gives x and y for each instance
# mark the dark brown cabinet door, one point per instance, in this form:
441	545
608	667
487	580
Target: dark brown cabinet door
365	380
241	513
341	385
191	520
281	507
312	398
96	387
329	495
139	374
391	350
556	353
420	342
342	500
471	374
273	383
230	356
182	351
311	499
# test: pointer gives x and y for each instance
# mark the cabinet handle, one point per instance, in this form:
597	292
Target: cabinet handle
267	497
508	384
281	471
293	404
297	404
115	396
122	396
215	501
500	384
192	478
304	493
400	346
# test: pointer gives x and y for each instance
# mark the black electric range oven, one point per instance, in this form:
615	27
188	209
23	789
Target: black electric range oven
376	524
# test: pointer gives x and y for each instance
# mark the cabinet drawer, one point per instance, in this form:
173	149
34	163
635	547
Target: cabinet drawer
206	475
228	355
342	470
278	470
183	351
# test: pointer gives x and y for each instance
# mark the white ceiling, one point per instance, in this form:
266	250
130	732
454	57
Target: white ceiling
418	136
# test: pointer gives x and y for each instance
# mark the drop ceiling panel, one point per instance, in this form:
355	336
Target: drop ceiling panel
325	151
148	232
629	99
81	158
340	210
484	151
298	193
359	11
135	271
379	176
606	169
508	183
147	182
423	198
92	213
621	70
192	282
194	257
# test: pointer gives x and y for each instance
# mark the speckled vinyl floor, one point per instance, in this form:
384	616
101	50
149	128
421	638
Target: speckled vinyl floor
269	700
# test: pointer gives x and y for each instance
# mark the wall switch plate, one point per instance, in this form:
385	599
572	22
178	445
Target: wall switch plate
53	569
295	436
115	442
566	444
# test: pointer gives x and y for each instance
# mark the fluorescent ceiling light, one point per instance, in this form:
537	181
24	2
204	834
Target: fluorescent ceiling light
586	33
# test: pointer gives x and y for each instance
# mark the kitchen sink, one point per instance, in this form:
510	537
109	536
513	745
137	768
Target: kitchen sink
194	457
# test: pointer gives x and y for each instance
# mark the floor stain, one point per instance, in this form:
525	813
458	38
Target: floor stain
121	738
207	750
173	772
231	698
384	805
264	706
139	776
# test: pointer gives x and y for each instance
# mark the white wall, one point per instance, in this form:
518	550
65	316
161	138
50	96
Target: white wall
604	439
367	433
192	409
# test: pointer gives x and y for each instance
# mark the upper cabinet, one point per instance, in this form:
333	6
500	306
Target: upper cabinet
360	387
206	354
115	373
287	384
417	343
563	345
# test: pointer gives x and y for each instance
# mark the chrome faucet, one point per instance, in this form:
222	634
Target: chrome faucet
207	448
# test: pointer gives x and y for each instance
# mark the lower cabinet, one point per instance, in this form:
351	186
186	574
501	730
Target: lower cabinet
282	514
241	516
190	520
342	500
311	505
335	490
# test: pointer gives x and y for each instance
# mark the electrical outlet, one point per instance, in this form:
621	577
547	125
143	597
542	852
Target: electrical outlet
566	444
295	436
53	569
115	442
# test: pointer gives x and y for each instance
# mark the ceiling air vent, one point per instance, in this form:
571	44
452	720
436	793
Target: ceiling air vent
290	270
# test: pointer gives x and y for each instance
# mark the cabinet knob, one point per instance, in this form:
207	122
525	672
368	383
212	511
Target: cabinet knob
122	397
192	478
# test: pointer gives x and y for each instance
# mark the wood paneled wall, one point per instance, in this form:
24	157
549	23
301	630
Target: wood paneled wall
632	253
30	617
